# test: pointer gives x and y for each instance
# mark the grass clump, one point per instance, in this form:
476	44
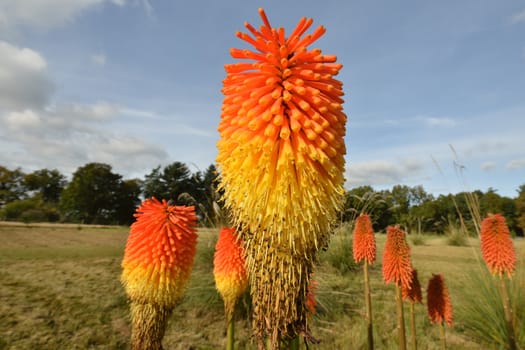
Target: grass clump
339	252
456	236
417	239
481	310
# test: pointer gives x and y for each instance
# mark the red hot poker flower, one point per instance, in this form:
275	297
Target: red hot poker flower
229	270
159	254
496	245
438	301
157	264
396	258
364	244
414	292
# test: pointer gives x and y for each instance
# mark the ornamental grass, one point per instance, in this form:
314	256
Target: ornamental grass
281	159
439	305
231	278
364	249
397	268
157	264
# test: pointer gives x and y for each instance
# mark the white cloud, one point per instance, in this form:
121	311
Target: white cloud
487	166
515	164
24	81
382	172
99	59
518	17
44	14
70	135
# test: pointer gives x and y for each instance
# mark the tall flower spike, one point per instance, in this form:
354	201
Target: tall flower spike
397	267
229	270
438	301
281	159
496	245
413	293
364	244
157	264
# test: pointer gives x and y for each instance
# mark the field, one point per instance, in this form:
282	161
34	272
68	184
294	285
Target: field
60	289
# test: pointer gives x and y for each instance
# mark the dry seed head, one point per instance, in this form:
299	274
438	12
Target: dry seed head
413	293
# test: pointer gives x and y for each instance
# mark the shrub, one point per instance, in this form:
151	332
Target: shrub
417	239
29	210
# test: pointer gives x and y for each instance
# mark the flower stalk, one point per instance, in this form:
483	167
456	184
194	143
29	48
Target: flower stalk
397	268
281	160
439	306
364	248
231	279
499	255
156	267
413	294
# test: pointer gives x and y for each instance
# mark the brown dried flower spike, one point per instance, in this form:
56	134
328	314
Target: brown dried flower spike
438	301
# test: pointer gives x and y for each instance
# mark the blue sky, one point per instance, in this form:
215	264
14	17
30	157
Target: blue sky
136	84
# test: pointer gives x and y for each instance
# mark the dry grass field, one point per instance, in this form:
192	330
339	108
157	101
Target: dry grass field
60	289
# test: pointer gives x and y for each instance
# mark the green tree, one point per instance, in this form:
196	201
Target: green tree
206	197
96	195
365	199
520	210
11	185
169	183
128	200
48	184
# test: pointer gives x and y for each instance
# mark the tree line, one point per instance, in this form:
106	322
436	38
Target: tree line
97	195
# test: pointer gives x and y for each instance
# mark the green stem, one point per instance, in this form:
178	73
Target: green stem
413	326
294	344
368	305
230	340
442	335
400	319
508	314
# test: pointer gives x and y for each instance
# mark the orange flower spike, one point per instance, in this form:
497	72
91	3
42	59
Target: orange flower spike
496	245
278	97
159	253
229	270
364	244
414	292
396	258
438	301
